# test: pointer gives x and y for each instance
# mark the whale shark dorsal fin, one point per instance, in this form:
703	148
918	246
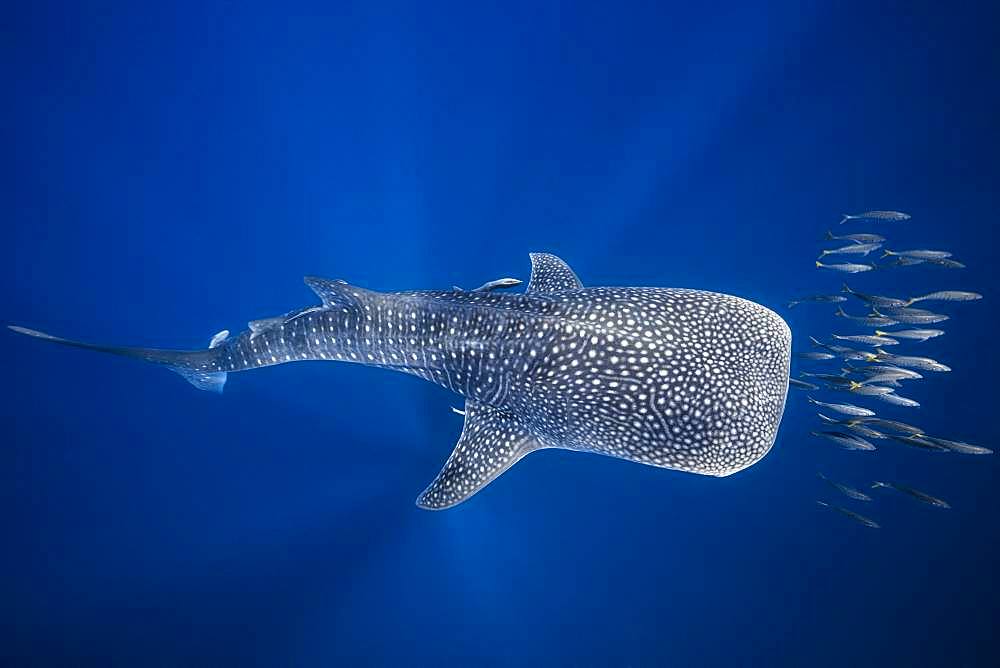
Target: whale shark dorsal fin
335	293
550	274
491	442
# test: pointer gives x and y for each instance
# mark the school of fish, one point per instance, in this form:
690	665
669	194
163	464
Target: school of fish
857	363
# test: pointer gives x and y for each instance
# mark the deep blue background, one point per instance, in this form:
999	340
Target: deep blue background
171	172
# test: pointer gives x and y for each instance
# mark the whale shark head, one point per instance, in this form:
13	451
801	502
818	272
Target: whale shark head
682	379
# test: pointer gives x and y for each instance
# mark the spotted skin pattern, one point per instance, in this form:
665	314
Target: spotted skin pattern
681	379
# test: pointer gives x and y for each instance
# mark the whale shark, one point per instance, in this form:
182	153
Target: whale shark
676	378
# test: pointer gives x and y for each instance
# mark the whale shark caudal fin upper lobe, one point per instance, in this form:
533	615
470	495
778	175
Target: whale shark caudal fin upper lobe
178	361
551	274
491	442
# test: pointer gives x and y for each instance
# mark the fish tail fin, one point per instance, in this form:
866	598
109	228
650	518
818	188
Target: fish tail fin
823	503
829	236
816	342
846	217
811	400
194	366
793	303
840	312
876	484
886	253
818	263
845	288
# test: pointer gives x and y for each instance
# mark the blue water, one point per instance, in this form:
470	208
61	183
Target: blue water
172	170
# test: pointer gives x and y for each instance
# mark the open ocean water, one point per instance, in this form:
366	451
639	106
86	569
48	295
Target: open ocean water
174	169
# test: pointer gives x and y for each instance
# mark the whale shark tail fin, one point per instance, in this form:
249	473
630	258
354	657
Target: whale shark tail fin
209	381
193	366
491	442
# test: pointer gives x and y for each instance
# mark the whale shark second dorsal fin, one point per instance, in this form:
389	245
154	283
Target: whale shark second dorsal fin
551	274
491	442
335	293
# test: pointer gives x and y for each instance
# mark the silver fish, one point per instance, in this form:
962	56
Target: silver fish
846	267
888	378
897	400
958	446
845	409
831	420
909	310
853	425
918	254
877	320
885	370
891	425
917	441
814	355
858	356
947	262
851	249
498	283
844	489
867	340
912	334
826	346
846	353
875	300
863	430
818	299
946	296
912	316
903	262
856	238
866	390
801	385
915	493
829	378
846	441
909	362
861	519
876	215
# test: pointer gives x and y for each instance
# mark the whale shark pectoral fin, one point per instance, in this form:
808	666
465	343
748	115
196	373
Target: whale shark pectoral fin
550	274
491	442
